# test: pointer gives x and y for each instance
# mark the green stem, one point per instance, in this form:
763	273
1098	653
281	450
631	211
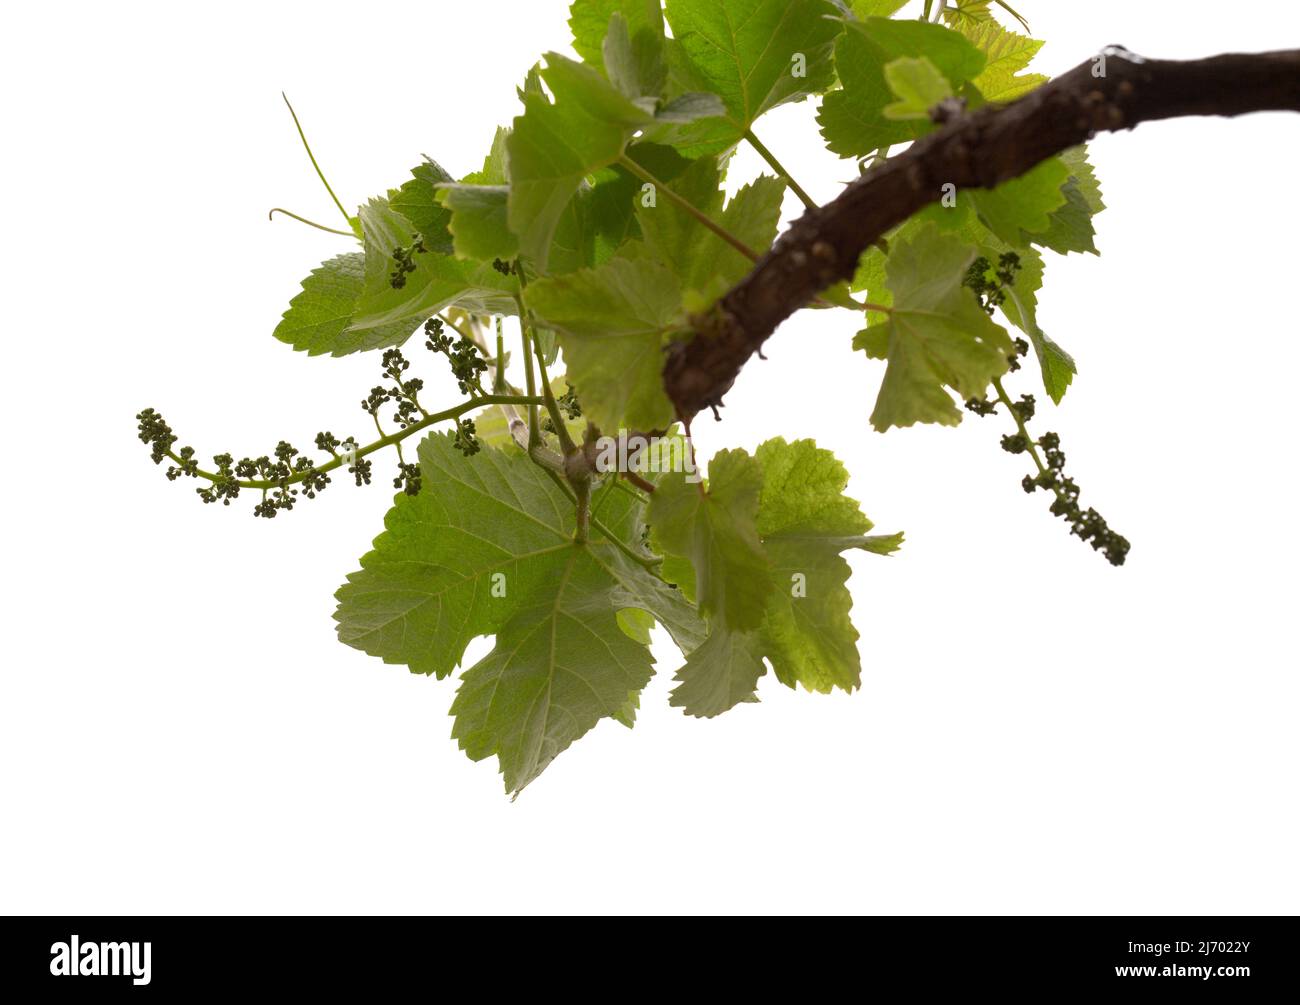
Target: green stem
582	507
310	223
552	407
384	441
1007	7
530	380
776	166
500	382
1020	425
319	173
632	166
651	562
1032	445
617	483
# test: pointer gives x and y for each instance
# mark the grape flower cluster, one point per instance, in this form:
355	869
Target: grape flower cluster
405	261
286	474
1088	525
989	285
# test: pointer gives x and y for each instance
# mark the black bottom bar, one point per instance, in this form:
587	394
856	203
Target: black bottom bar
1224	956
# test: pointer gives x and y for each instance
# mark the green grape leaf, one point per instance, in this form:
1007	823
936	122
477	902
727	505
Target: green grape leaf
1008	54
635	64
690	107
950	219
417	200
487	548
532	84
641	590
876	8
720	674
590	227
561	663
636	624
626	716
638	589
589	22
596	221
612	321
967	13
438	281
803	503
918	85
642	64
1085	178
852	118
954	56
609	205
753	54
319	318
1070	227
478	222
1057	365
937	336
1021	309
425	590
555	146
707	266
715	530
1021	208
804	522
493	171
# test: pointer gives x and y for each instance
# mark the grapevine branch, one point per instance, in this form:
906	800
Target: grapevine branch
980	149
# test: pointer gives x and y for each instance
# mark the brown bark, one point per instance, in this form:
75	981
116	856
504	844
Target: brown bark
980	149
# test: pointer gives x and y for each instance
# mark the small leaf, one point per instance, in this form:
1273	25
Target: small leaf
634	64
852	118
417	201
1008	54
478	221
919	86
554	147
1021	309
318	319
589	22
804	522
1018	209
439	281
1070	227
938	335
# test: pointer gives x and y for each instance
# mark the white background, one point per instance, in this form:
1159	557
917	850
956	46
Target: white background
1036	731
